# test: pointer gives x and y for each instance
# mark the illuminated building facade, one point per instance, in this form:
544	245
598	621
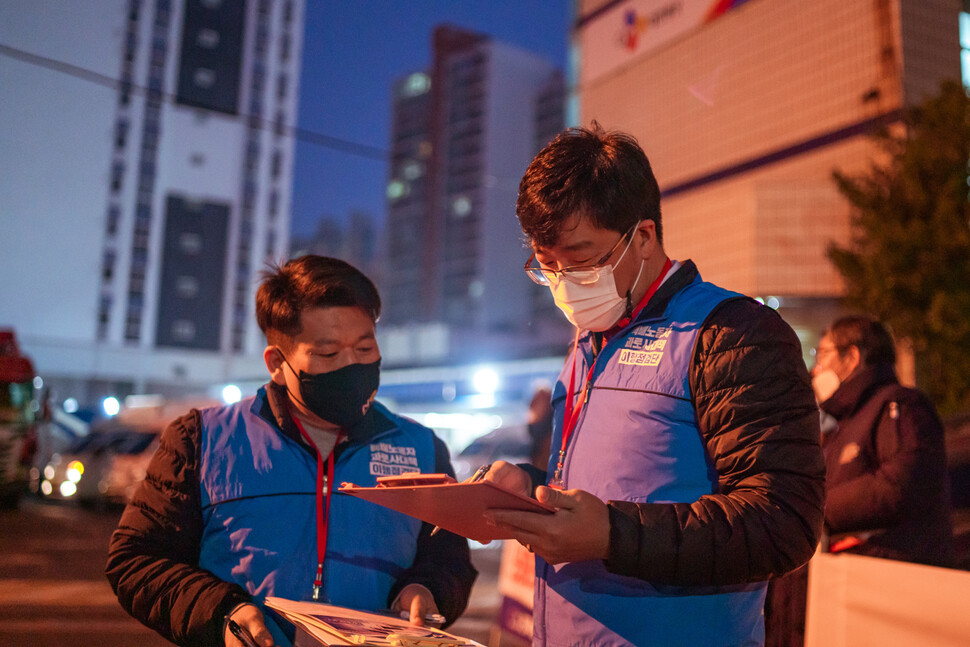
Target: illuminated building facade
463	133
148	155
745	108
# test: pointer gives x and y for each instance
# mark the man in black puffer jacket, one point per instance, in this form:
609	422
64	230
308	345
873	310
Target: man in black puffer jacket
888	490
686	466
239	502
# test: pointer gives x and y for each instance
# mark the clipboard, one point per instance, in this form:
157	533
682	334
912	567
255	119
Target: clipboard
325	624
441	501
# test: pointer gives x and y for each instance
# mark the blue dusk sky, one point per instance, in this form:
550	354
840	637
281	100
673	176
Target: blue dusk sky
353	52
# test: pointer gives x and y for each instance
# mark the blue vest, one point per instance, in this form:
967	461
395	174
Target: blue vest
637	439
258	490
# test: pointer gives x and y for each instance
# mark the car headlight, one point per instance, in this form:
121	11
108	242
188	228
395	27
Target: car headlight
75	469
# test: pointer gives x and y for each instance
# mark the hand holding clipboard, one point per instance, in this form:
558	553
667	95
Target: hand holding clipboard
474	478
439	500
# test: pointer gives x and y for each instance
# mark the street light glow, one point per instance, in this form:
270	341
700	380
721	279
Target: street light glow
485	380
231	393
111	405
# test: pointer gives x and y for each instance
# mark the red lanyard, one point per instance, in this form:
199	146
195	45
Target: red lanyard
572	411
322	516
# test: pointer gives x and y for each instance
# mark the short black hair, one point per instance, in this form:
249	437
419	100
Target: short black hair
873	340
599	175
310	282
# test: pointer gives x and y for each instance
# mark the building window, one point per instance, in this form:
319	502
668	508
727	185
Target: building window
416	85
277	164
190	243
108	266
114	215
274	203
204	77
280	123
104	316
207	38
270	243
187	287
121	133
461	206
132	328
183	330
285	47
965	47
117	171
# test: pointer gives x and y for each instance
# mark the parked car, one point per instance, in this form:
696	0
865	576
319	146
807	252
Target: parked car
103	467
510	444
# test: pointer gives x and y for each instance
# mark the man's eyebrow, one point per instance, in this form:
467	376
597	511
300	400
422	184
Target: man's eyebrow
575	247
327	341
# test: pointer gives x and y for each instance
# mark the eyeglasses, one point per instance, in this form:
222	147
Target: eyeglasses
822	351
580	274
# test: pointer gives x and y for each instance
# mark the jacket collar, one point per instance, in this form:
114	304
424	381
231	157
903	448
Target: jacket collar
857	389
685	275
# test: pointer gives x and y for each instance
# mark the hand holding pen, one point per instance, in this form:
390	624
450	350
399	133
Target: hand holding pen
241	634
243	623
474	478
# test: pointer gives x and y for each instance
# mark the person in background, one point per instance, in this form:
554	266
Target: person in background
888	486
540	426
686	466
238	503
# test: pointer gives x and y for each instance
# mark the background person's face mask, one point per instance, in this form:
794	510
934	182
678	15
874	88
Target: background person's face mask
593	306
343	396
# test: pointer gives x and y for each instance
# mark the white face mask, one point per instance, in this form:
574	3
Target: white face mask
825	384
594	306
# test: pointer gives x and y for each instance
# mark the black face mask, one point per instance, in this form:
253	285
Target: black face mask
342	397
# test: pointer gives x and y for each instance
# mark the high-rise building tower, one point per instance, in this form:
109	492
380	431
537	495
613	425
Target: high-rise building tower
463	133
147	165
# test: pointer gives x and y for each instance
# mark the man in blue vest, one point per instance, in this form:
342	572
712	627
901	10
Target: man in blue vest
238	503
685	460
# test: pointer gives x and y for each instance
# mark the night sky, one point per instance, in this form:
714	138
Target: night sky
354	51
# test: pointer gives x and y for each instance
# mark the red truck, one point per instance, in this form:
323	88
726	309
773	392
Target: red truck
19	412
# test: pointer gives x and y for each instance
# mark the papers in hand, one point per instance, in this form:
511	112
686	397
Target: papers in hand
331	625
439	500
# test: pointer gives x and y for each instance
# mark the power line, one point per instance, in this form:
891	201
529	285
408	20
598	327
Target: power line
296	132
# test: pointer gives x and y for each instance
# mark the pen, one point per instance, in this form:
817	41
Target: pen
431	619
475	478
244	636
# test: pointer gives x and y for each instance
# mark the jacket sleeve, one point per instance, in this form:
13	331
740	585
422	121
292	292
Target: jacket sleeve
909	449
757	415
154	553
443	562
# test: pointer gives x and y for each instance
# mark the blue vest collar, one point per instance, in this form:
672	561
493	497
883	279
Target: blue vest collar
270	405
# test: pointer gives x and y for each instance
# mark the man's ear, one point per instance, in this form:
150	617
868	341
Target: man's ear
646	239
274	364
852	360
